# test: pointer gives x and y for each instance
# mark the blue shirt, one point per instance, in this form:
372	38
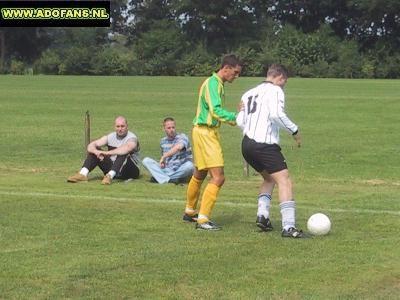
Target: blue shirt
176	160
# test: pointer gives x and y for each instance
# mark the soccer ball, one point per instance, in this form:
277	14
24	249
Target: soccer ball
319	224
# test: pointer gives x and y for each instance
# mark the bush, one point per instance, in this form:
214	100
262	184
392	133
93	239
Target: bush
349	63
196	62
77	60
160	49
367	68
48	63
17	67
253	65
112	61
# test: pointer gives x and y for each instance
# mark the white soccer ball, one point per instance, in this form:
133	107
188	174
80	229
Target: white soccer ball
319	224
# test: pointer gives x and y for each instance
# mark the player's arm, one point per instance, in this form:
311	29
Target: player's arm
124	149
242	113
215	107
278	116
94	147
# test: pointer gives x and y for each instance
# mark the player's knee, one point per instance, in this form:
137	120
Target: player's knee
218	180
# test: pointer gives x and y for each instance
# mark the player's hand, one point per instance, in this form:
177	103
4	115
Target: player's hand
297	139
240	106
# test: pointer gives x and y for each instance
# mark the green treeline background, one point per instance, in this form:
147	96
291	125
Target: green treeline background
315	38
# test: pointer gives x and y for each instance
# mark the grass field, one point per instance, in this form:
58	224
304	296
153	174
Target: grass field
127	240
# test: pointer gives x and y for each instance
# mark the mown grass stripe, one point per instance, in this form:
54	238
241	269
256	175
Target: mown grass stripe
181	202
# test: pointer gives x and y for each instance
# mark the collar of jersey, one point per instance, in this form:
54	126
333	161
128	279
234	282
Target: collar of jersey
218	78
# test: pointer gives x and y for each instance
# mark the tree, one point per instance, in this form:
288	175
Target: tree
146	12
160	48
25	44
218	25
119	16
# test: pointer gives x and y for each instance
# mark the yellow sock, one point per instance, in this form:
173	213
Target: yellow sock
192	194
208	200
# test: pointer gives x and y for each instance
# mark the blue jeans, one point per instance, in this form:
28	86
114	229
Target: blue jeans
166	174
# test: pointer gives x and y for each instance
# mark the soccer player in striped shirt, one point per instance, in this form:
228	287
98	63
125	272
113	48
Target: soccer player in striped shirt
207	151
261	117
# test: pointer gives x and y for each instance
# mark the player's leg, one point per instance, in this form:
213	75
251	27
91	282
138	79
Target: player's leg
193	193
287	204
210	195
199	173
213	159
155	170
256	155
264	202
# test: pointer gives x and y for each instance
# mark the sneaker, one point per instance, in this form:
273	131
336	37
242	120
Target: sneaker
293	232
77	178
106	180
208	226
264	223
190	218
174	181
178	181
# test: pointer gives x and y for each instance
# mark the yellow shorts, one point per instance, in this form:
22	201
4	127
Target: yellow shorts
207	151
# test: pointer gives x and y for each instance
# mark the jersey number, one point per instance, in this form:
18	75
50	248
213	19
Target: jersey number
252	109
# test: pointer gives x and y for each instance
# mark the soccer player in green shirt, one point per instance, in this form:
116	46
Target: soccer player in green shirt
207	151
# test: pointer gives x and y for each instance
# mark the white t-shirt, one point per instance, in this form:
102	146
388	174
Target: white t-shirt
114	141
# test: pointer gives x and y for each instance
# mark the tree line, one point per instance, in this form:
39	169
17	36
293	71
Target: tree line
326	38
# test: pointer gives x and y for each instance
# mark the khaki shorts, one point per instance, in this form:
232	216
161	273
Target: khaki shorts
207	149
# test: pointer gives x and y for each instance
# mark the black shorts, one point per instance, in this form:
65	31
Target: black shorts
263	156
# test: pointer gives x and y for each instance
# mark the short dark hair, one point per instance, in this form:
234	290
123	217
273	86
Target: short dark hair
231	60
168	119
276	70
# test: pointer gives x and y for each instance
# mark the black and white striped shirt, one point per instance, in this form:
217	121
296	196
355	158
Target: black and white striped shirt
264	113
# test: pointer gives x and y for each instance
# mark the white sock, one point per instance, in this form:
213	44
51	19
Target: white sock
264	204
189	211
202	217
111	174
84	171
288	210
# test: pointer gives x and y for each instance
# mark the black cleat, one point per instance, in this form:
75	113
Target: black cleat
209	226
293	232
264	223
190	218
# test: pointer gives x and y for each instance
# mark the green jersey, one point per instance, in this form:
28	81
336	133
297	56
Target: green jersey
209	105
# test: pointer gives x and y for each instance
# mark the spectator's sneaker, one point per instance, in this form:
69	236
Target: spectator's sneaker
293	232
190	218
208	226
174	181
106	180
153	180
77	178
264	223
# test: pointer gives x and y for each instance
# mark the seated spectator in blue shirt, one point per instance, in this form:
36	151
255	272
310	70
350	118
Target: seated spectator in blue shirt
175	164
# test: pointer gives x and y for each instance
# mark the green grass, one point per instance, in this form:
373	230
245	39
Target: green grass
127	241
